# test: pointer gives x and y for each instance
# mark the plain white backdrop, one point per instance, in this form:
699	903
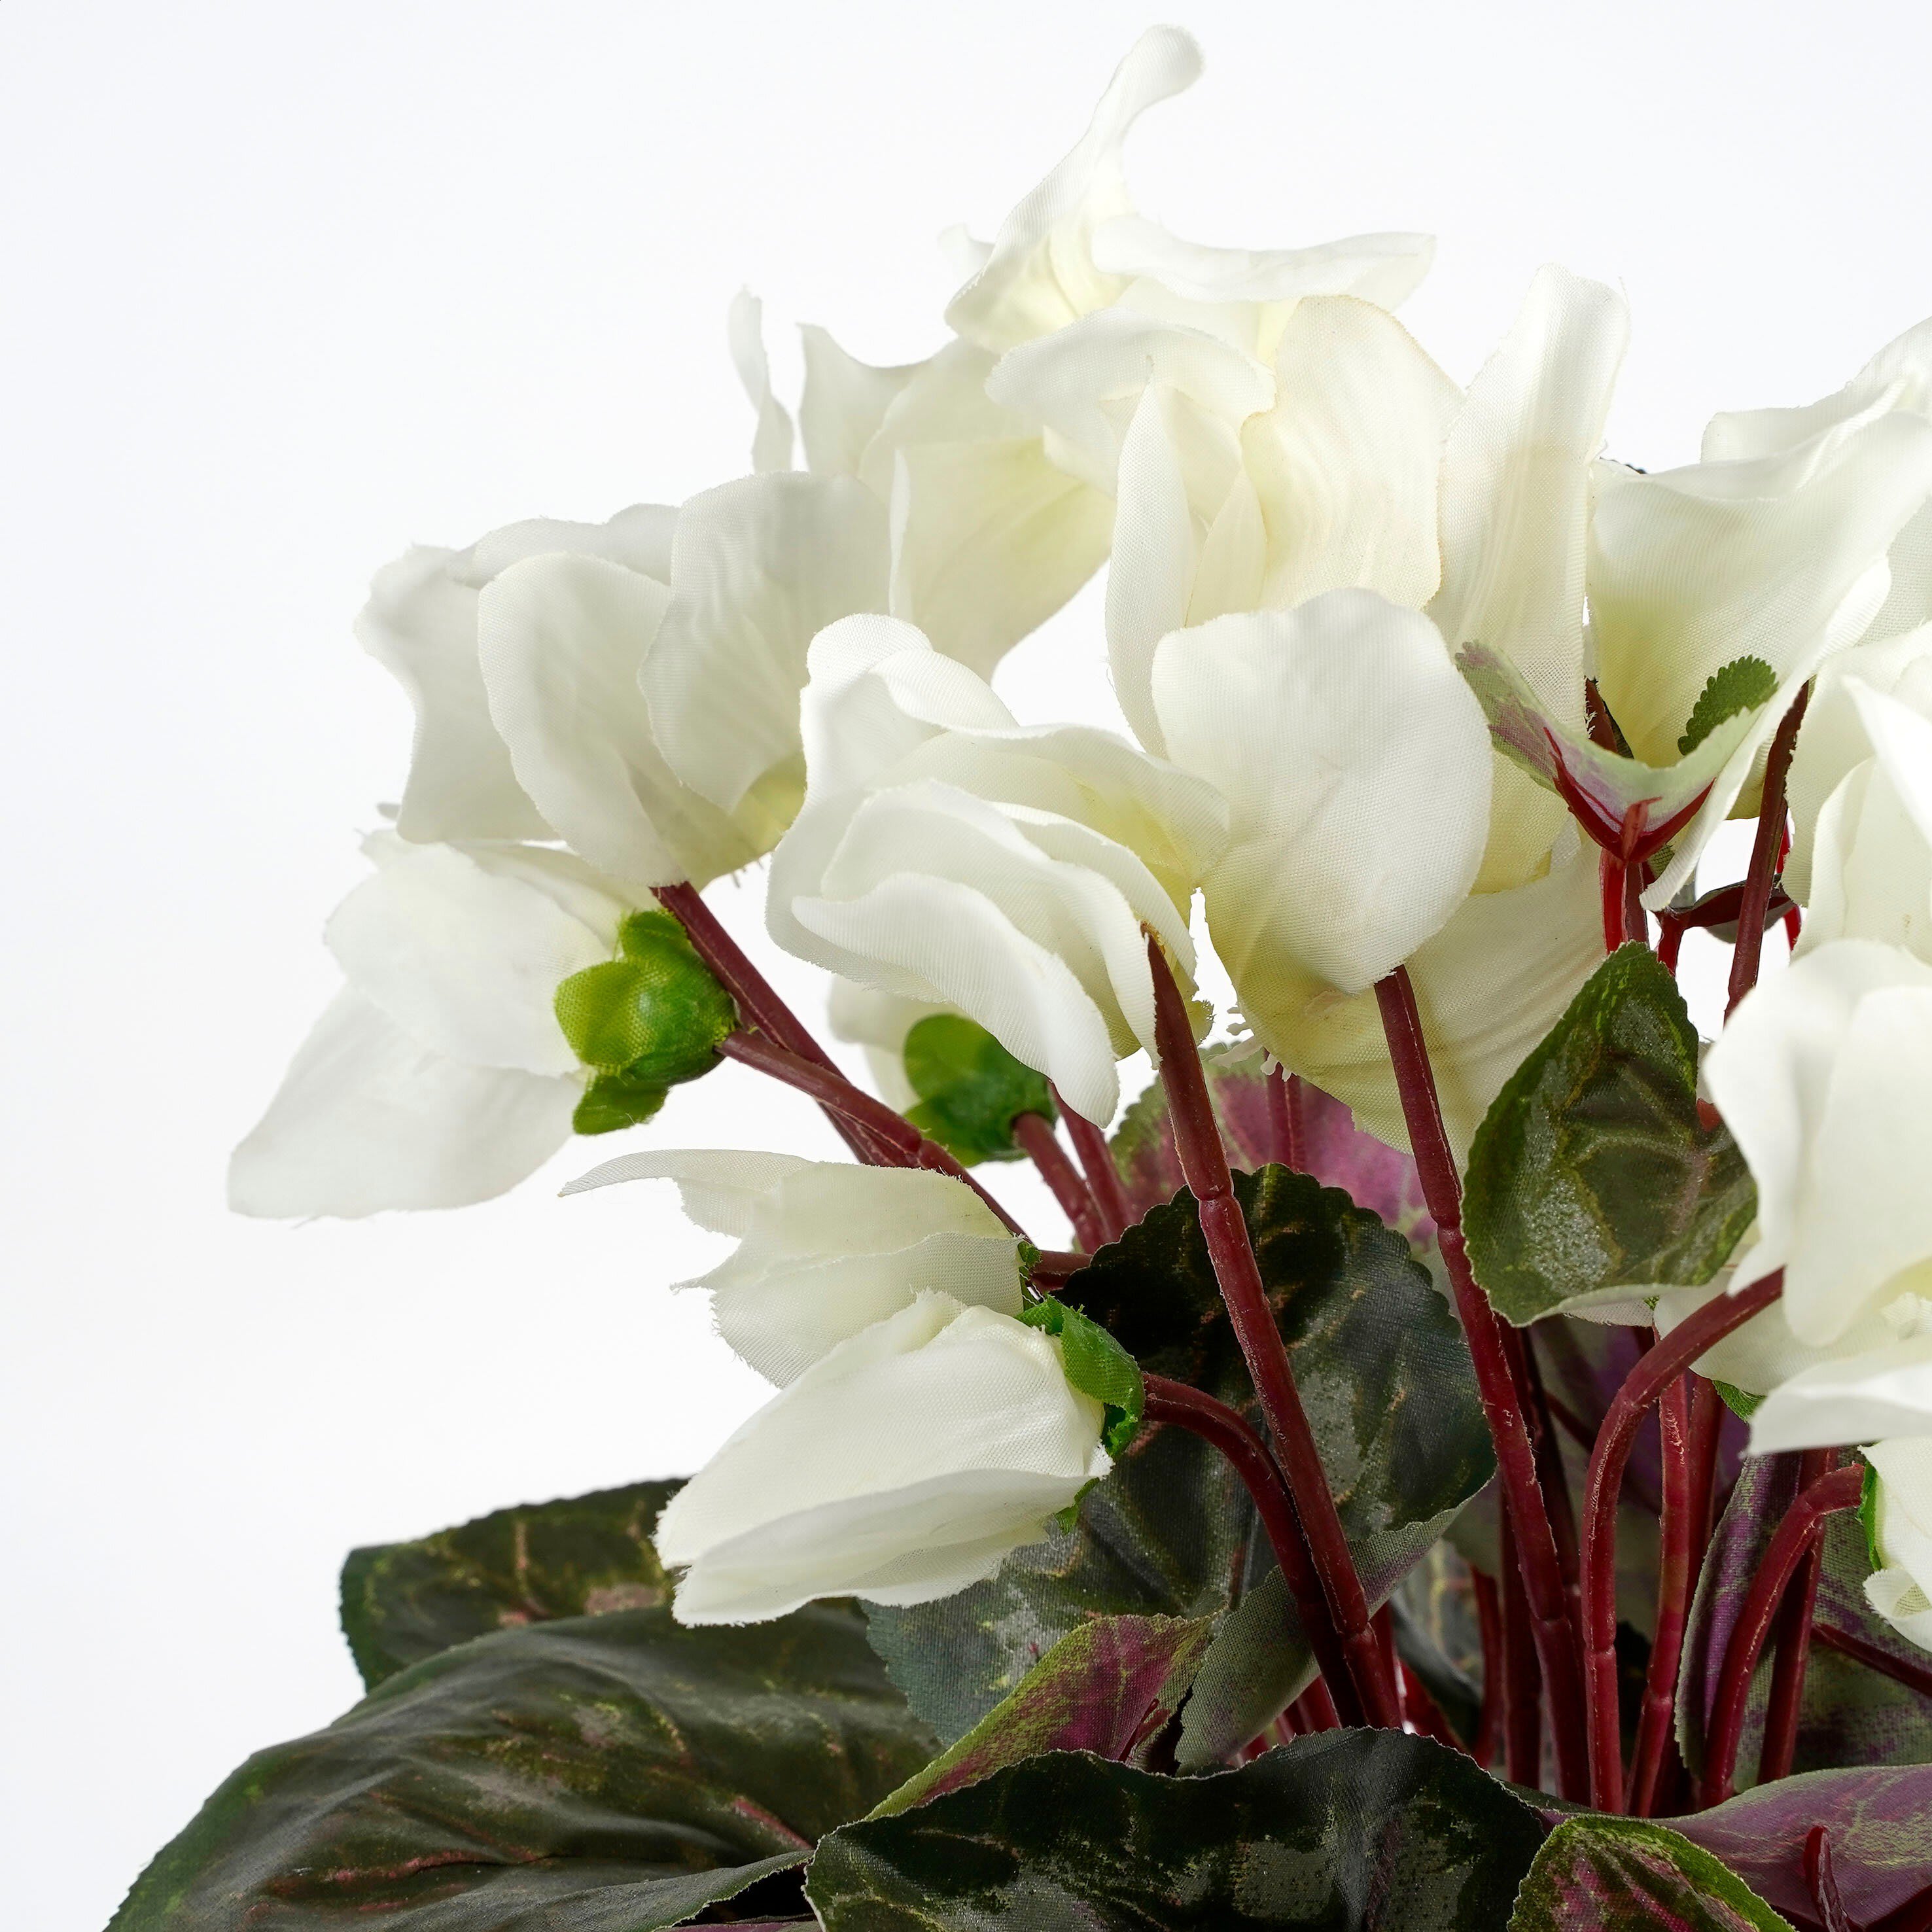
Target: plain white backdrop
284	287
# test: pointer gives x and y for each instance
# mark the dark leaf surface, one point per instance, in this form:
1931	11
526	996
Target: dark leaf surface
609	1773
1851	1714
1591	1170
402	1602
1351	1831
1383	1371
1880	1818
1637	1876
1107	1687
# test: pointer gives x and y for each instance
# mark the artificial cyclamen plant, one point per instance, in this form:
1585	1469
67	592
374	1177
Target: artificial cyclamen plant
1472	1465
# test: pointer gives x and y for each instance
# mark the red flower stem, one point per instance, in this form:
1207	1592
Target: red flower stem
1035	1134
1489	1627
1522	1676
1677	1529
1707	1422
1660	1365
1901	1670
1103	1177
1288	1119
1314	1710
1055	1267
1204	1163
1610	874
1761	874
832	1090
1822	1883
1496	1382
1636	921
758	1003
1839	1490
1520	1342
1425	1714
1219	1426
1791	1634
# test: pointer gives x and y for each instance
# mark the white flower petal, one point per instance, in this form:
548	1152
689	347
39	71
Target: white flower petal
772	440
1385	269
1356	764
466	957
844	403
1855	1398
561	640
368	1118
718	1188
759	567
1041	274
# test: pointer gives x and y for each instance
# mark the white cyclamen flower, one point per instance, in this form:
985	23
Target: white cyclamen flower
901	1466
1821	1074
439	1076
521	655
1900	1589
826	1249
946	853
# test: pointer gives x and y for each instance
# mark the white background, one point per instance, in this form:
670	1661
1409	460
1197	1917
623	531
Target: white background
284	287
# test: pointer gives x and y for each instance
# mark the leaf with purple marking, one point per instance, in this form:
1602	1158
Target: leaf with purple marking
1108	1687
1637	1876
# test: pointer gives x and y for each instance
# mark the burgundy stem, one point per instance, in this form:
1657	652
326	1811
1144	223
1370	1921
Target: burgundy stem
1035	1134
1901	1670
1678	1535
1496	1381
1822	1883
1218	1425
1314	1710
1522	1676
1488	1626
1288	1119
1204	1163
1839	1490
831	1090
1103	1177
1423	1713
758	1002
1534	1397
1707	1423
1660	1365
1761	874
1055	1267
1791	1634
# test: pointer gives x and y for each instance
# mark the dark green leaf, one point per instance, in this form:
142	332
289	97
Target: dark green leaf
1384	1375
1742	685
1638	1876
1096	1365
1108	1688
402	1602
1592	1171
1349	1831
1879	1820
609	1774
614	1101
970	1089
656	1012
1851	1714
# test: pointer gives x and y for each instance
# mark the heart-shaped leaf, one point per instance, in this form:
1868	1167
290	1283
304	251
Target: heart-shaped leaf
1349	1831
1879	1820
1384	1375
1592	1171
1107	1687
613	1774
402	1602
1638	1876
1336	1152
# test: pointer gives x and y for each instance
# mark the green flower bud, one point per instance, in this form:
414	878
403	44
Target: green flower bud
970	1089
655	1014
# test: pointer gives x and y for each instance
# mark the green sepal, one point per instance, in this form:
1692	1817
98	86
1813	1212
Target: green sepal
1741	1403
655	1013
1868	1518
1097	1365
970	1089
615	1100
1742	685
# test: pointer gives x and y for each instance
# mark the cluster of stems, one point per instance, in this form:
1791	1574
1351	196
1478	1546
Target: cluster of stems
1548	1624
